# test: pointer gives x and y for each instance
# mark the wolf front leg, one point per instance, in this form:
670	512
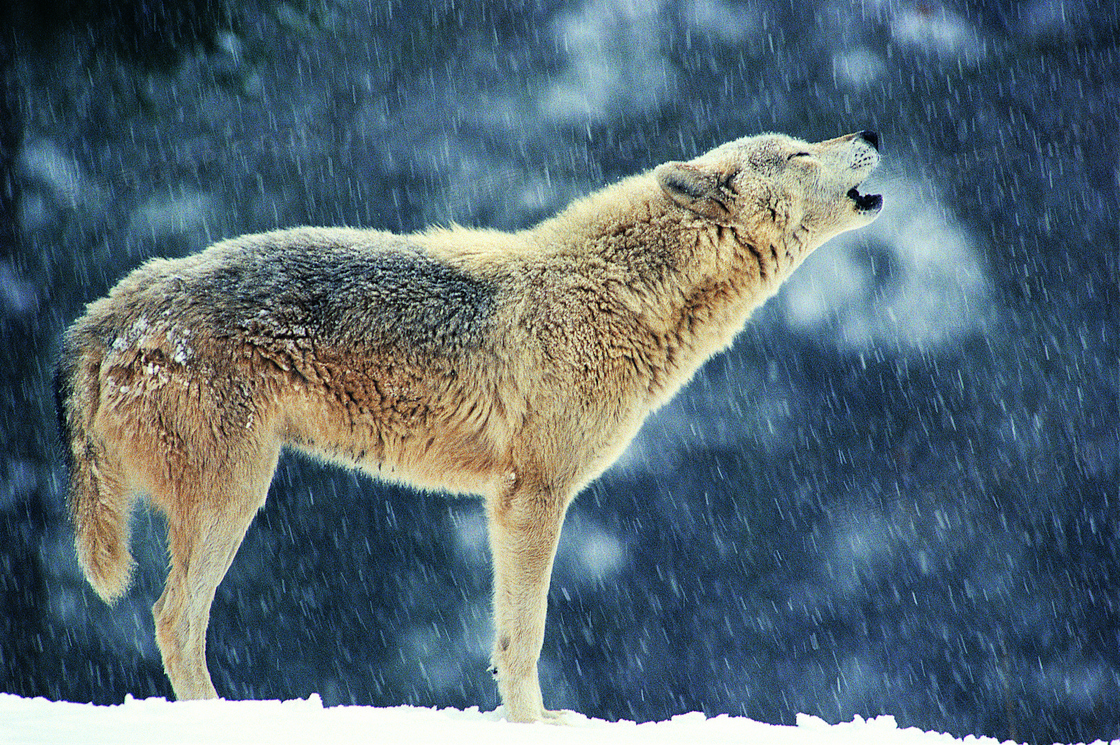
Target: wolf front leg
525	519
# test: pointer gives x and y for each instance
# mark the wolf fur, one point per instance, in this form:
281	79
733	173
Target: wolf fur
514	366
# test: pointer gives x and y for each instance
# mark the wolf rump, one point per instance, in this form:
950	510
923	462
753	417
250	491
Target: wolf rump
515	366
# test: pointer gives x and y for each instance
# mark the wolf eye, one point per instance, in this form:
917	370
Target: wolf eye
799	155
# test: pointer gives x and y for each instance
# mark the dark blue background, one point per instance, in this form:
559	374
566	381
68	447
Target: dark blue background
896	494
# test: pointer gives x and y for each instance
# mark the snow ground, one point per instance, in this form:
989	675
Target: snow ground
36	721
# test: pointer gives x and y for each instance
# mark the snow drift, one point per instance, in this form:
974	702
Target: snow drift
38	720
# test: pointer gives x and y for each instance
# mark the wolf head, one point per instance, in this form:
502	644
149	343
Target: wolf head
778	188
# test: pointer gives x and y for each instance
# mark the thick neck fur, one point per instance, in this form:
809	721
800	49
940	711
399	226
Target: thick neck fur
688	283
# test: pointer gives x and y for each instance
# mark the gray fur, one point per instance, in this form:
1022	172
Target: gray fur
342	294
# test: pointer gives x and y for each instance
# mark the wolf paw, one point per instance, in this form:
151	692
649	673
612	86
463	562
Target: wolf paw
565	717
561	717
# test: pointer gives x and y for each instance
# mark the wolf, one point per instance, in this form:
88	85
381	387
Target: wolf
511	366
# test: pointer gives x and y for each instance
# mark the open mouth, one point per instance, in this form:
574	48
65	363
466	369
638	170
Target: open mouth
866	202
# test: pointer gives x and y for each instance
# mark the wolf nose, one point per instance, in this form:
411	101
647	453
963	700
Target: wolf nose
871	137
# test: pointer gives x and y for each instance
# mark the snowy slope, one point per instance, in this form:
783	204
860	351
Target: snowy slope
35	721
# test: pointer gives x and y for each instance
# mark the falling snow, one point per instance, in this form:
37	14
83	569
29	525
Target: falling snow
895	496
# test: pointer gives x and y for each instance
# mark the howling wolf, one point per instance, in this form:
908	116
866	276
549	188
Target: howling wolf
513	366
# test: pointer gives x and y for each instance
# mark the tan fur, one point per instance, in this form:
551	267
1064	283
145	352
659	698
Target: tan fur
512	366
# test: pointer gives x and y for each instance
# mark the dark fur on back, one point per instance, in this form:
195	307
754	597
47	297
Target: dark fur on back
399	298
294	285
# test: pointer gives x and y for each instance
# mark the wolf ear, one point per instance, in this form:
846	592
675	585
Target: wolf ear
695	189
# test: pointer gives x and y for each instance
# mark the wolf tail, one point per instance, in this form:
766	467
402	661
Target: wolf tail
100	506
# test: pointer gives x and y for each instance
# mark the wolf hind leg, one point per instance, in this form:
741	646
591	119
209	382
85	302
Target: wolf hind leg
202	543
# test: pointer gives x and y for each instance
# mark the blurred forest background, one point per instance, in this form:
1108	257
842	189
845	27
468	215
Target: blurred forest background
897	494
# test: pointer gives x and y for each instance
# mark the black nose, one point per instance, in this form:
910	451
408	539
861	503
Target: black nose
872	137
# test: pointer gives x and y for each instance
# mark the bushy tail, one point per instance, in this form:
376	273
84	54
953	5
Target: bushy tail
100	506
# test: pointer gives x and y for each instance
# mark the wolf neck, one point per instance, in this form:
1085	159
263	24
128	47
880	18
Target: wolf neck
689	284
